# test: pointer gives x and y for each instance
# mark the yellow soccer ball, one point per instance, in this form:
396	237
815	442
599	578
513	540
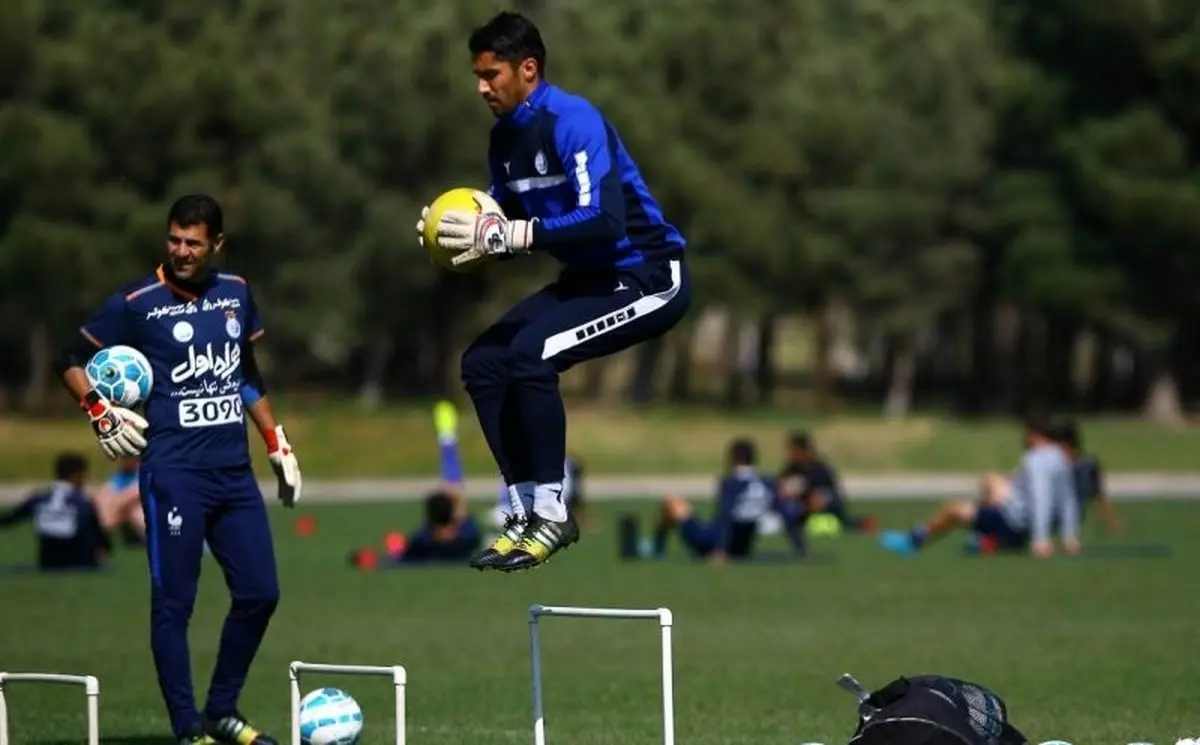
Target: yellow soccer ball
823	525
461	198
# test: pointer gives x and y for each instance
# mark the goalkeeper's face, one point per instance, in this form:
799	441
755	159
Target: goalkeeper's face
502	84
190	250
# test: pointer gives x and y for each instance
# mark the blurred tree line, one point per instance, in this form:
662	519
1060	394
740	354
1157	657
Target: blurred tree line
981	185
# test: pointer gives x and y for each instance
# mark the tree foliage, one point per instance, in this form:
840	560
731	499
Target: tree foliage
911	161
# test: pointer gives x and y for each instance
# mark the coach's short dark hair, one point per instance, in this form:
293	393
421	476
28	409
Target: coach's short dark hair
742	452
511	37
69	465
197	209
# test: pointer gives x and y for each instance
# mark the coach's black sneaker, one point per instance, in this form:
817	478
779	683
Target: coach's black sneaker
541	540
235	730
501	546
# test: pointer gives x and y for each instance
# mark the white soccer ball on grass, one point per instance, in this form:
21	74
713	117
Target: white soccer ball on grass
330	716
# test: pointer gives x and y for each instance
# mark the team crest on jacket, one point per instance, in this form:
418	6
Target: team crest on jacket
539	163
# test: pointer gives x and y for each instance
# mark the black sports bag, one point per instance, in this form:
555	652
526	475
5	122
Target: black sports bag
931	710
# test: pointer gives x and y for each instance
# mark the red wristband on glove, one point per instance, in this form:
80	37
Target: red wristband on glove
272	440
92	403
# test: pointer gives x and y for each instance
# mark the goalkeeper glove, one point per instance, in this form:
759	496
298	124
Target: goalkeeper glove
286	467
474	236
120	432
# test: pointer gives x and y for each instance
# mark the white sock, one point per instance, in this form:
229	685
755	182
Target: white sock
520	498
548	502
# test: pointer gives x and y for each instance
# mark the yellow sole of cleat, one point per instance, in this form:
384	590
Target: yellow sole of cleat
543	562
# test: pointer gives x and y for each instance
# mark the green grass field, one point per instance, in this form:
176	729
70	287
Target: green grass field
337	440
1091	651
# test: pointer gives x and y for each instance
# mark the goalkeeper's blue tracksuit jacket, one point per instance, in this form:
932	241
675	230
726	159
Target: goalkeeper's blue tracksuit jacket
557	160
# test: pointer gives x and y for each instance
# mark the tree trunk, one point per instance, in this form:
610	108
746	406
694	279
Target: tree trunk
679	388
1031	361
1187	360
40	364
767	327
1163	404
1100	389
593	379
980	390
901	376
731	344
823	338
1060	353
370	392
641	380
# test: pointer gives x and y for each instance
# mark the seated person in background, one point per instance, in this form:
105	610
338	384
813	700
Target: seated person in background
449	534
743	497
65	519
1089	476
810	481
119	503
1011	515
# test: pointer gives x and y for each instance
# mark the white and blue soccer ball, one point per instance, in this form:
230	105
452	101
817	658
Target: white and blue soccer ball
330	716
121	374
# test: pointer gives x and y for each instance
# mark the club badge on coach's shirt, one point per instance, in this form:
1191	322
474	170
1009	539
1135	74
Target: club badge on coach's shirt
183	332
539	163
232	327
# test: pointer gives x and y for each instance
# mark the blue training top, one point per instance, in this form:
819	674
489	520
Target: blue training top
67	525
195	342
556	160
743	497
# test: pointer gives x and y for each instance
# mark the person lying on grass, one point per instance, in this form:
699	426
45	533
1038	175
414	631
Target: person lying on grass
1014	515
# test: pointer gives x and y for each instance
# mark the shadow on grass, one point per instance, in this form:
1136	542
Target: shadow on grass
117	740
27	569
1126	551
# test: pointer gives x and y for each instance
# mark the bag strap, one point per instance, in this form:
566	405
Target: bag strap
890	693
1010	735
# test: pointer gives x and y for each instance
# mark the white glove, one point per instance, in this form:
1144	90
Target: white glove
474	236
120	432
286	467
421	226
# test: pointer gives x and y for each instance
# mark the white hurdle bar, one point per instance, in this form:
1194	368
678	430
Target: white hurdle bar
396	672
665	622
91	687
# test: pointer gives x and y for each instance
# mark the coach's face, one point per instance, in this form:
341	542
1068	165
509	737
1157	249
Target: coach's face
502	84
190	250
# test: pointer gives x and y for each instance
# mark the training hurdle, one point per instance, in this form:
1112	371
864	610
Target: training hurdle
665	622
91	688
395	672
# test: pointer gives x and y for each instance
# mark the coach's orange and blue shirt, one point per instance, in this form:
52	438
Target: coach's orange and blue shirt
195	340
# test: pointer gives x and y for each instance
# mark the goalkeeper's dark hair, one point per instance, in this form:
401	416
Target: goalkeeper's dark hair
512	37
197	209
